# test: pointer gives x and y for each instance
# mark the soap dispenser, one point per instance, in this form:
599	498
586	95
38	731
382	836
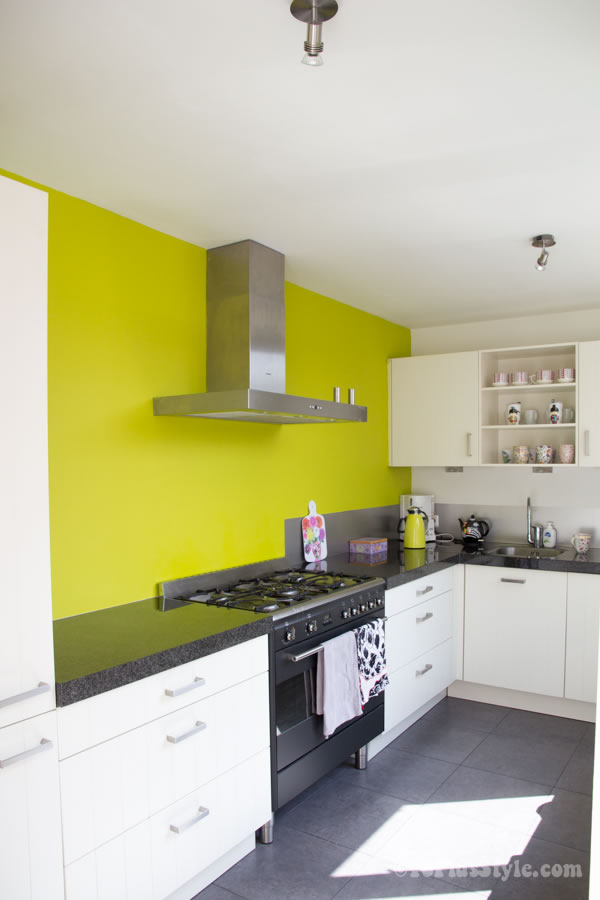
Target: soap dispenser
549	535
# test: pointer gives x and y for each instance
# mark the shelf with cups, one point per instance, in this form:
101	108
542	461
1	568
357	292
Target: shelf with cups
549	386
529	444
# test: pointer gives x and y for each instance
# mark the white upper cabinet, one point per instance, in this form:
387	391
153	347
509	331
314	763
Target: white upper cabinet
26	655
589	406
433	410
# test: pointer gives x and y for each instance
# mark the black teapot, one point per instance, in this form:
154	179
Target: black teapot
474	529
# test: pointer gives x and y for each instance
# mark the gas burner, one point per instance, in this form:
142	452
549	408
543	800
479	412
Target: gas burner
286	591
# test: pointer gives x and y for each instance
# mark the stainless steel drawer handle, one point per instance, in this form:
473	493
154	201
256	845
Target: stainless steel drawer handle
514	580
424	671
42	687
201	814
177	738
424	618
425	590
469	450
196	683
43	745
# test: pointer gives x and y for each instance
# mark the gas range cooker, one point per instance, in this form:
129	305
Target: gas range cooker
281	593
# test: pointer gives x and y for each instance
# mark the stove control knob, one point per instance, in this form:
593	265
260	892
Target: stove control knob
290	635
363	607
371	604
353	611
311	627
345	614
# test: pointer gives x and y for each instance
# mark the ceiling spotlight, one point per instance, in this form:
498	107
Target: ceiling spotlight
543	241
314	13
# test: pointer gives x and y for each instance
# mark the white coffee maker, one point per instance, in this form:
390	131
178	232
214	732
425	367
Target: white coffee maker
426	502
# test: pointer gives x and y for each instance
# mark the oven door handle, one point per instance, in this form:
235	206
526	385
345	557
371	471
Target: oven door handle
298	657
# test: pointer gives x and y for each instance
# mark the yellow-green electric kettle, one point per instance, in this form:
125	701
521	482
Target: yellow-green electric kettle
414	530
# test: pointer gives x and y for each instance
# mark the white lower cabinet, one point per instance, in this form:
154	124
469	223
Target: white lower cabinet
153	859
515	626
135	818
420	648
30	833
583	621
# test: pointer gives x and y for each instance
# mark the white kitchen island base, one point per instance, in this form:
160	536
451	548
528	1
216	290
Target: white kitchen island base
551	706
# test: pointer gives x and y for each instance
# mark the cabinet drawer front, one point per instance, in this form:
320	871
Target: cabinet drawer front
85	724
515	626
406	595
151	860
419	681
114	786
412	632
30	843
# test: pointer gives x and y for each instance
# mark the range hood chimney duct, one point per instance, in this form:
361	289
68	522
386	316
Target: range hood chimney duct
245	360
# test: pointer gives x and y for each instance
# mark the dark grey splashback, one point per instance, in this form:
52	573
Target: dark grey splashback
377	521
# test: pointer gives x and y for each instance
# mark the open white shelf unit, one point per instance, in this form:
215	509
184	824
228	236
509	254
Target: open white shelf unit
496	434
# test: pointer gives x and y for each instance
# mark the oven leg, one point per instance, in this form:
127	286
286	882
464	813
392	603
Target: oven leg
361	757
265	832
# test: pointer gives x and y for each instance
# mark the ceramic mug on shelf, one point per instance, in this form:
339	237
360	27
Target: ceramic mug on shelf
530	416
566	453
554	412
500	379
507	455
581	541
532	454
566	376
513	413
521	454
543	454
544	376
519	377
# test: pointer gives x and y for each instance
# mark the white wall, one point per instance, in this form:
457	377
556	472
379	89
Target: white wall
570	497
582	325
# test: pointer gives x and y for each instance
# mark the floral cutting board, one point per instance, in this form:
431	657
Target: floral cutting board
313	534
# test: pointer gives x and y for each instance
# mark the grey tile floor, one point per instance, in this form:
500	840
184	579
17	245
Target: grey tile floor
460	804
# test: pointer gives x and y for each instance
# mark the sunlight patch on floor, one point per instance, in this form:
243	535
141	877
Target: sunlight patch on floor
453	835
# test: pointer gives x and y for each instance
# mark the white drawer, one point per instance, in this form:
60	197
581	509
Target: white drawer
152	860
100	718
419	681
412	632
406	595
119	783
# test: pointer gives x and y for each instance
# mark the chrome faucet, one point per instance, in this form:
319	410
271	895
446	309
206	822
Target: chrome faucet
534	532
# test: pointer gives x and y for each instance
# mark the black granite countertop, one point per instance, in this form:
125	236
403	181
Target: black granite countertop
403	566
98	651
102	650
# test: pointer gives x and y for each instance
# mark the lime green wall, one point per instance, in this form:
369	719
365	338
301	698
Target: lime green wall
135	499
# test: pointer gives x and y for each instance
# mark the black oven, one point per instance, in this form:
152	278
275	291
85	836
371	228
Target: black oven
300	753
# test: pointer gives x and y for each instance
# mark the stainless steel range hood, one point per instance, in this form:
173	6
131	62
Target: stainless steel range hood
245	359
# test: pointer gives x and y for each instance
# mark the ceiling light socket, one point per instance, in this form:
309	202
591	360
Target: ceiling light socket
313	13
543	241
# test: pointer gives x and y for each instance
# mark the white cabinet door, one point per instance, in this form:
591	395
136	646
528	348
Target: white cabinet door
30	834
588	378
434	410
583	621
515	627
26	658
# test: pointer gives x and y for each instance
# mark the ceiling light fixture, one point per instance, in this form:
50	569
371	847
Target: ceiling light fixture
314	13
543	241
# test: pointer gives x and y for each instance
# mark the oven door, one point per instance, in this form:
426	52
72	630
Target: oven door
298	728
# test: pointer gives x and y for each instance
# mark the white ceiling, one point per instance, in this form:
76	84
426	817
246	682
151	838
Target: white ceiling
404	177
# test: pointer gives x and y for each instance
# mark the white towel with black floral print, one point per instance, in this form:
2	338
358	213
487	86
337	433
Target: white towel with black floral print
338	690
372	672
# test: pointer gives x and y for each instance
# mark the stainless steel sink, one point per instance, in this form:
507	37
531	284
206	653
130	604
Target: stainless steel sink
525	551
